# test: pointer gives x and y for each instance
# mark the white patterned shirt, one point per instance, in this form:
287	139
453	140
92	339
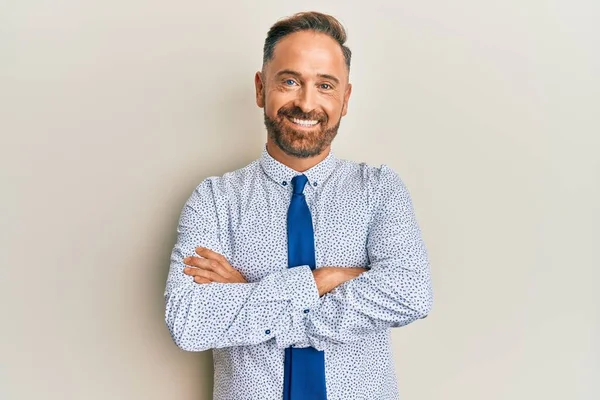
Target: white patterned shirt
362	217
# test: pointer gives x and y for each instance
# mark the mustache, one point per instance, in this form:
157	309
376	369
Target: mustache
296	112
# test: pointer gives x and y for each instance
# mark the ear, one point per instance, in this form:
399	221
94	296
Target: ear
346	98
260	89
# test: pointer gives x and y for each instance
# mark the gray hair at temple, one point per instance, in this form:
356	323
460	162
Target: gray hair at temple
306	21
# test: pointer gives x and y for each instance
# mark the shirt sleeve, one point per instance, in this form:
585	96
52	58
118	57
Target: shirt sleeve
395	291
214	315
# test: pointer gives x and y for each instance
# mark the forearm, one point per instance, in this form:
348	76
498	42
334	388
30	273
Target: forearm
370	303
367	303
216	315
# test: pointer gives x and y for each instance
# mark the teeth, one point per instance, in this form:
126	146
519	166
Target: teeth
304	122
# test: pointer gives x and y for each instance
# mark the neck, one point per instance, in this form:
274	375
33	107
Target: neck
295	163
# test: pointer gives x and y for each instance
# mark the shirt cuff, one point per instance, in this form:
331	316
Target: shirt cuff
303	295
302	288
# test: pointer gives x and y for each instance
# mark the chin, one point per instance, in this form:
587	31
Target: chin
296	149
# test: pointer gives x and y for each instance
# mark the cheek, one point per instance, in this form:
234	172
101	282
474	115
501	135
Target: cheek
273	102
333	111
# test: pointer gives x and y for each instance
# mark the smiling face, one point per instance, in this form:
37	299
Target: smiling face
304	91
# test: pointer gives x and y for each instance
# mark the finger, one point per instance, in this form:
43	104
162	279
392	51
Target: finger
198	272
213	255
209	265
199	279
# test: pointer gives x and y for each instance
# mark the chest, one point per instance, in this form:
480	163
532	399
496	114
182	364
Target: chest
256	234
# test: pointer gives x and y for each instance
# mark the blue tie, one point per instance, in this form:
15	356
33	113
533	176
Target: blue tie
304	368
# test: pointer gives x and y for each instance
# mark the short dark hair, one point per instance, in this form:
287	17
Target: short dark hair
306	21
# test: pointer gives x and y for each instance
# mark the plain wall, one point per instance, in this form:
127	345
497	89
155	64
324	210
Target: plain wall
113	111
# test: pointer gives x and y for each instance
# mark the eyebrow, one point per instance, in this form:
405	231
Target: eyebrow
299	75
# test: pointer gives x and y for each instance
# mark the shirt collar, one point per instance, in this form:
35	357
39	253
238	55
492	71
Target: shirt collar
282	174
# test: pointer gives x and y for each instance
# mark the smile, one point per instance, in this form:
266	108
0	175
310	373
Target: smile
305	123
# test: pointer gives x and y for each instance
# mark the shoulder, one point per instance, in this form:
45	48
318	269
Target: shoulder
376	178
228	184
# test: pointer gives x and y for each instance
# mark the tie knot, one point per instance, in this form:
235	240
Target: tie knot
298	183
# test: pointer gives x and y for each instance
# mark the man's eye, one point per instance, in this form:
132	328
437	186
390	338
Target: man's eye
325	86
290	82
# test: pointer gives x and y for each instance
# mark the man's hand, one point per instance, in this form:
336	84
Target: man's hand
211	267
328	278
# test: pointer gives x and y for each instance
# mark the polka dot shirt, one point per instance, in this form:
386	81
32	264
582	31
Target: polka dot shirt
362	217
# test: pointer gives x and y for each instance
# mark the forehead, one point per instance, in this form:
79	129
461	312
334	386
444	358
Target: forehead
309	53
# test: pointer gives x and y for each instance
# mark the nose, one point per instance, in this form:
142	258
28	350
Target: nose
306	99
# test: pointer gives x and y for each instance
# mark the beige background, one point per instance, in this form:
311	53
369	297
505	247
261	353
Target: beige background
113	111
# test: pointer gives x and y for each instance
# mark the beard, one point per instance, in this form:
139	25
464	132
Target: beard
300	143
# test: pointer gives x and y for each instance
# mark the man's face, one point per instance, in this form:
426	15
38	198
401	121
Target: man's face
304	91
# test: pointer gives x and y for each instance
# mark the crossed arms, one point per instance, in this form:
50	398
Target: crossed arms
209	304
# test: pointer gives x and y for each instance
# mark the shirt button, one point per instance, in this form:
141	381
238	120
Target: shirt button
284	183
306	311
314	183
268	332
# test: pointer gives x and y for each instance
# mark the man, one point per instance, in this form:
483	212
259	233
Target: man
294	268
